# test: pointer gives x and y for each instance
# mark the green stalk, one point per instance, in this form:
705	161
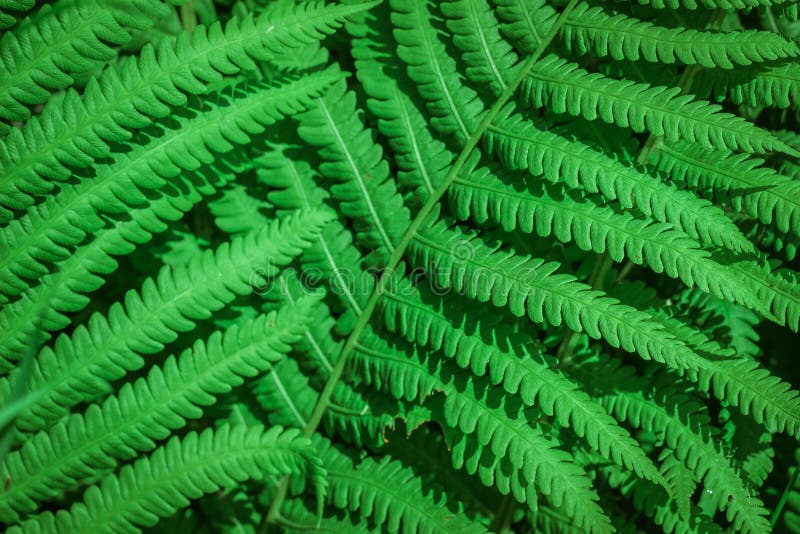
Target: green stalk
411	232
776	514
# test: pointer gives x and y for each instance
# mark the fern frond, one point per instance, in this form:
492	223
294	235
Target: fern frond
525	22
770	85
492	426
74	131
298	518
237	212
489	59
524	204
680	479
29	244
440	326
741	381
744	182
10	10
392	495
528	145
566	88
777	289
286	395
685	434
184	469
647	499
529	287
333	256
56	459
608	34
455	108
422	160
711	4
65	288
62	40
361	177
79	367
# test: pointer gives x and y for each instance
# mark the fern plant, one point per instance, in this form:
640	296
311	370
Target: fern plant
402	266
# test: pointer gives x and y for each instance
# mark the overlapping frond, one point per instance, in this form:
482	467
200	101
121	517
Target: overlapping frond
147	410
526	205
597	30
683	429
712	4
65	288
49	230
455	108
79	367
435	269
46	51
487	429
537	148
529	287
441	326
353	162
76	130
184	469
333	257
565	87
742	181
488	58
11	10
422	159
525	22
391	495
770	85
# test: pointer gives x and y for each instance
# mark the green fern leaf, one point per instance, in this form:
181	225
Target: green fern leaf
146	410
711	4
681	480
63	40
771	85
183	469
608	34
10	10
493	425
333	256
30	243
476	32
74	131
529	287
79	367
422	160
566	88
362	186
684	433
411	314
392	495
514	203
236	212
456	108
744	182
82	272
525	22
527	145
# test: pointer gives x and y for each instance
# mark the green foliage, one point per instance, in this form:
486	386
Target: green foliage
401	266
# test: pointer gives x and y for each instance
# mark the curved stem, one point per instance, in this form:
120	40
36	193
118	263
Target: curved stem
398	253
776	514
